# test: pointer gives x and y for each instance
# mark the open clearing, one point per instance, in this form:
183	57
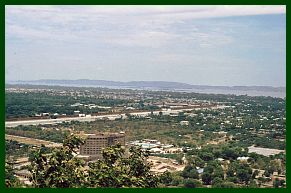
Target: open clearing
32	141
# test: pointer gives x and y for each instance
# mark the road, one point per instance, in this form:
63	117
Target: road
93	118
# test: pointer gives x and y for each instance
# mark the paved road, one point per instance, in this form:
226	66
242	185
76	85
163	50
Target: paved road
91	118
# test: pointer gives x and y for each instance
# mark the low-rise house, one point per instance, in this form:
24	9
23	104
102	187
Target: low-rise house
156	150
243	159
184	123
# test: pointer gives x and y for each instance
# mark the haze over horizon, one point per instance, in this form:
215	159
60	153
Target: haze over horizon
197	45
37	80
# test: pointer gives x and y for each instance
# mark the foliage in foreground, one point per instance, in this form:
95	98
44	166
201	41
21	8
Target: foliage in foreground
61	169
10	179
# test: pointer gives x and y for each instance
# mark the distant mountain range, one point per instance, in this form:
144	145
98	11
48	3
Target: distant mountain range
160	85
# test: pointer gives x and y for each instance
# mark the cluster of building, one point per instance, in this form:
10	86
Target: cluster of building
90	106
155	146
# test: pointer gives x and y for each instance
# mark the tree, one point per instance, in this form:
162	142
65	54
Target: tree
190	172
192	157
241	171
228	185
166	178
206	156
177	179
206	178
243	175
276	183
11	181
233	179
267	173
233	168
282	183
117	171
61	169
253	184
208	169
190	183
218	173
217	181
229	153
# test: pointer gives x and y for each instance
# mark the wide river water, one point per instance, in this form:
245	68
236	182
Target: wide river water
281	94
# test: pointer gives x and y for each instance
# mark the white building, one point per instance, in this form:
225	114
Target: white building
184	123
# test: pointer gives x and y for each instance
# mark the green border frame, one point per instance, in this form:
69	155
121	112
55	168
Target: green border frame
123	2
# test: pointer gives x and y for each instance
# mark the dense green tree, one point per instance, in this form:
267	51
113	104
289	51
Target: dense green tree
226	185
177	179
190	172
206	156
206	178
276	183
267	173
218	173
190	183
219	183
233	179
229	153
60	169
243	175
116	171
253	184
166	178
282	183
197	161
209	169
216	181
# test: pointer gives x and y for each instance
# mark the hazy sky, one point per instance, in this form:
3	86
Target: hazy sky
209	45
